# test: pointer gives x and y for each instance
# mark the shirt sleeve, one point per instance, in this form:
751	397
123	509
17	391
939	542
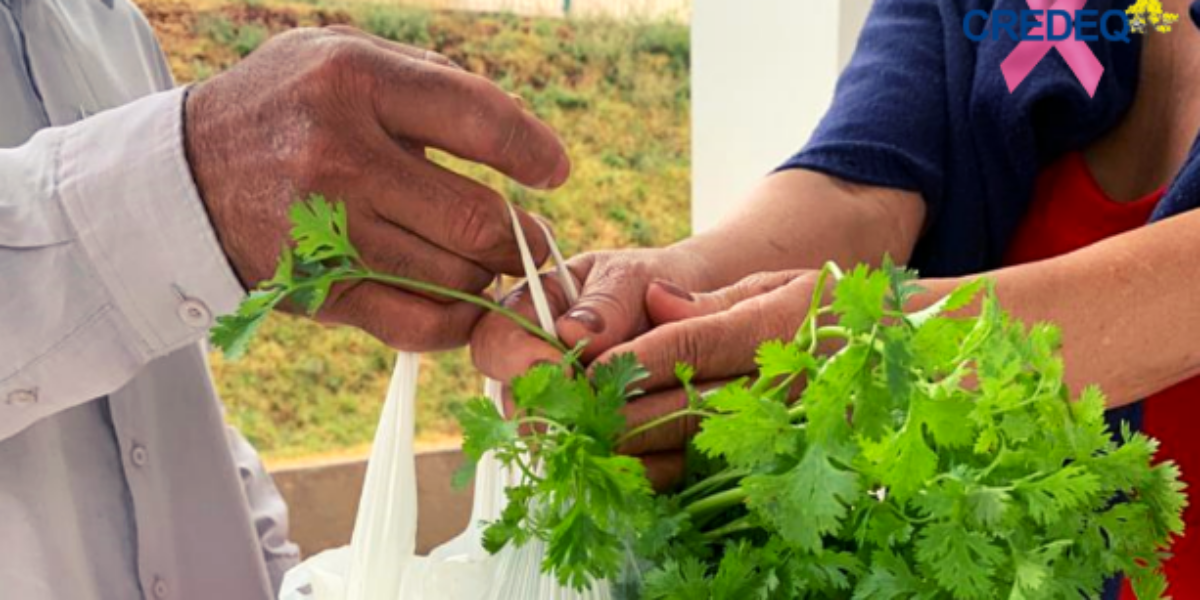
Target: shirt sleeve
107	258
887	123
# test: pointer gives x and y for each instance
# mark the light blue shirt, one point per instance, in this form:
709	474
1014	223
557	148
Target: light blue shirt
118	477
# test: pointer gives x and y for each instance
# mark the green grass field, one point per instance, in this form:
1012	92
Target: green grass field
616	91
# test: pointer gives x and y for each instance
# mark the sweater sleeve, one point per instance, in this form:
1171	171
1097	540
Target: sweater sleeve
888	121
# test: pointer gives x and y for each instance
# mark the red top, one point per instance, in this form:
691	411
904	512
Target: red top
1070	211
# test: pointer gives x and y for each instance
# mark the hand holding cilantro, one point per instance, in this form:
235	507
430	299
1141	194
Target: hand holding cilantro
932	455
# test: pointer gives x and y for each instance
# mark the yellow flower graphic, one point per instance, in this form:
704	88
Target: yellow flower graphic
1150	13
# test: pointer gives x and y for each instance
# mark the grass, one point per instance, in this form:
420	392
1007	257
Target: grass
616	91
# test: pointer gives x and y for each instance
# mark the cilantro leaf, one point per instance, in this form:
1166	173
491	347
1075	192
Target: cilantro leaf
806	502
962	561
776	358
859	298
320	231
483	427
233	333
752	430
684	579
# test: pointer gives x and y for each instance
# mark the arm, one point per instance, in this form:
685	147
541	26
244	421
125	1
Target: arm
871	174
90	294
800	219
122	236
1126	306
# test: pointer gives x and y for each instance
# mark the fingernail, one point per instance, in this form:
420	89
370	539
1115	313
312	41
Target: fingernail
674	290
589	319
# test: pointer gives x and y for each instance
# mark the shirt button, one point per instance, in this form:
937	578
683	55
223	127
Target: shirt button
139	455
160	589
22	397
195	314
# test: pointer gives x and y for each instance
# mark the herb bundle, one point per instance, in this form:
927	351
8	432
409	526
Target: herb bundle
933	455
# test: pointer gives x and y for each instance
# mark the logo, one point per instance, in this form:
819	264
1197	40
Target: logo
1150	12
1065	26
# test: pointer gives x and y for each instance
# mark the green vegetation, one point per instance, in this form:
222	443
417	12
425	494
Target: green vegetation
399	24
934	455
242	39
616	91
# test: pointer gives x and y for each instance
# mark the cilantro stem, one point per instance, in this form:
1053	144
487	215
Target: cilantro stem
483	303
808	330
529	474
797	409
663	420
719	501
735	526
533	419
713	482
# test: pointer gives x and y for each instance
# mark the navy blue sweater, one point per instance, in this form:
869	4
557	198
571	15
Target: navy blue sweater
921	107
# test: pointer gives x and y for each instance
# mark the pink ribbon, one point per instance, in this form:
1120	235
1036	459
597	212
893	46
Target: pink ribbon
1029	53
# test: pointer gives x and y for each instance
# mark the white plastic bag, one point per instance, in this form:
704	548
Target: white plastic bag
381	562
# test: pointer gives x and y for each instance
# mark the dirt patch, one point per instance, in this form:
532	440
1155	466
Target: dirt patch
186	30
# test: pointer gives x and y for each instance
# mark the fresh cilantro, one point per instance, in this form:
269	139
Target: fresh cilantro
936	454
324	256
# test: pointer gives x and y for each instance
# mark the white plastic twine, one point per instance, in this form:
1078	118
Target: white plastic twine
533	277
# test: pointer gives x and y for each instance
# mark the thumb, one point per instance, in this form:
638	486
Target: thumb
668	303
610	310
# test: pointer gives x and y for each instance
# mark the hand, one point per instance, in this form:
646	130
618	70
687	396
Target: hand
611	308
718	334
347	115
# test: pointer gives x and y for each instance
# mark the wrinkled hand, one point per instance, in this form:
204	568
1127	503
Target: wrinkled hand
636	301
718	334
611	308
341	113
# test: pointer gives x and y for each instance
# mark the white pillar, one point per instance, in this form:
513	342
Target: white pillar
763	73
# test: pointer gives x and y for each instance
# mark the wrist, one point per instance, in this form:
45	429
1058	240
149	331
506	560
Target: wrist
198	160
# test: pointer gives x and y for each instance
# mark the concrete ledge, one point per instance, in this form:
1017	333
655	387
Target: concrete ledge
323	500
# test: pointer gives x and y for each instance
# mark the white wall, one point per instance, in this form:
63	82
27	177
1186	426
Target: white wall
763	73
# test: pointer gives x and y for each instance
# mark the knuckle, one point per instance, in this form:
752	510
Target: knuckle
493	131
477	229
343	54
689	347
341	29
419	334
768	322
296	37
342	62
464	276
396	263
388	335
758	283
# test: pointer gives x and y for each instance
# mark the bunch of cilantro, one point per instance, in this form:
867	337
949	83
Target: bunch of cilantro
933	455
